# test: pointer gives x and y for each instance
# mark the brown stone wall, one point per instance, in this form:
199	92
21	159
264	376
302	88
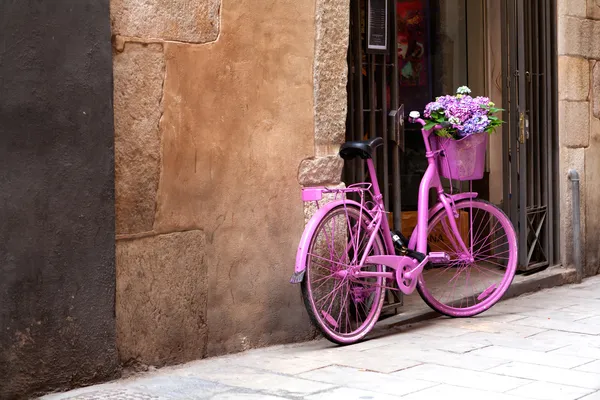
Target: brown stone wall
579	123
223	110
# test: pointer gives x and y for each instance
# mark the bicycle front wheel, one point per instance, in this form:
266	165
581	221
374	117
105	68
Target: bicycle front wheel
344	308
473	281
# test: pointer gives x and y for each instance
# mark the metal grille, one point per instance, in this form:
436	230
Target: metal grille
373	110
530	170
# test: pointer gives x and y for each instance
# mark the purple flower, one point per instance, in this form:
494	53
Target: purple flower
432	107
477	123
468	115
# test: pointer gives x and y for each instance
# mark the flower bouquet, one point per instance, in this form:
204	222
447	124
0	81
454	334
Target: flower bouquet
464	141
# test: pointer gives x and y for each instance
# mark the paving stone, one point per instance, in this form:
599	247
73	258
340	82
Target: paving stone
532	357
567	338
562	376
459	393
501	339
428	355
546	303
583	307
117	394
245	396
255	379
462	377
491	326
367	360
283	365
559	325
351	394
593	366
177	387
595	320
435	329
549	391
593	396
103	388
577	292
579	350
367	380
452	346
562	315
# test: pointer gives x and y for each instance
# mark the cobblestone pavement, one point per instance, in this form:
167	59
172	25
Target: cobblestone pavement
540	346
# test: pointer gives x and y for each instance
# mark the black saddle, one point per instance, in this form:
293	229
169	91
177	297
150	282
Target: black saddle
360	148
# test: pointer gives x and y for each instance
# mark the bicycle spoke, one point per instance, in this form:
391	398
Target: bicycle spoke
456	287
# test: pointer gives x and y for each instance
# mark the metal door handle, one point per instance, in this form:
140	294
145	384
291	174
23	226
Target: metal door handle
522	128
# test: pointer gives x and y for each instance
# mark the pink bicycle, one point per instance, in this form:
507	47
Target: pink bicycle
348	256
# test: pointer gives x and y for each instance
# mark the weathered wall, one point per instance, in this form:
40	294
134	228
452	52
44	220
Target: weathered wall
579	123
213	120
57	271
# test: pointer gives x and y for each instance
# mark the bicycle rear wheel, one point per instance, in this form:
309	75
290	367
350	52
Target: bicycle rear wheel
470	283
344	308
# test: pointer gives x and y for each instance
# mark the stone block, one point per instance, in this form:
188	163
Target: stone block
592	215
574	123
593	9
161	298
310	207
578	37
573	78
331	70
595	87
189	21
320	171
138	81
576	8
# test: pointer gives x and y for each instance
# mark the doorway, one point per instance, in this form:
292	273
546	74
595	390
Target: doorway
404	53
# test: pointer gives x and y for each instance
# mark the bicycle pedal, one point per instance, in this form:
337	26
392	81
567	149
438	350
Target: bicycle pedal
438	258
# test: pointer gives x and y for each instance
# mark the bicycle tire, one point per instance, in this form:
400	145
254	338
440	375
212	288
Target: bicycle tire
324	319
491	293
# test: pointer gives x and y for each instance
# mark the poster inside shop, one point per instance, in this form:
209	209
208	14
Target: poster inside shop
413	52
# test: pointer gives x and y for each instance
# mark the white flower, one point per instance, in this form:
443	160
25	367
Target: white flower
463	90
454	120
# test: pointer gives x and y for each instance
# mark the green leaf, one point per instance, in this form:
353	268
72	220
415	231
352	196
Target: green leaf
429	125
443	133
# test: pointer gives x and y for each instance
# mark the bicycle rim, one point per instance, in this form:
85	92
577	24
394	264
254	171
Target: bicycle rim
472	282
346	308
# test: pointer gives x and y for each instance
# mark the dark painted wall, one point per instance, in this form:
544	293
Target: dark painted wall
57	262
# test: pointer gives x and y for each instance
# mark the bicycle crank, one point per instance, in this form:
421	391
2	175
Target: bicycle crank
405	284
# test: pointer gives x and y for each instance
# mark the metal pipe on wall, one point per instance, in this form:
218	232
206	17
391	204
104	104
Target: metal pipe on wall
574	178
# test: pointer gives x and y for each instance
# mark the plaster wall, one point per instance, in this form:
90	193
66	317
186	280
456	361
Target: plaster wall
218	124
57	218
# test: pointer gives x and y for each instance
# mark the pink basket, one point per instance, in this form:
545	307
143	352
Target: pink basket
463	159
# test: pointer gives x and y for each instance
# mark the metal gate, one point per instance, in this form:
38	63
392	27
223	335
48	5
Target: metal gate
373	108
530	148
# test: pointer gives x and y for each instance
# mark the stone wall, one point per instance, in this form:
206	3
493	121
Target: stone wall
579	123
223	109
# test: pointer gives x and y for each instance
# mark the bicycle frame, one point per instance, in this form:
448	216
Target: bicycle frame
418	242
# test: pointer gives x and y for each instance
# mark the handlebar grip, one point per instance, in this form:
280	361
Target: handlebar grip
413	116
445	124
